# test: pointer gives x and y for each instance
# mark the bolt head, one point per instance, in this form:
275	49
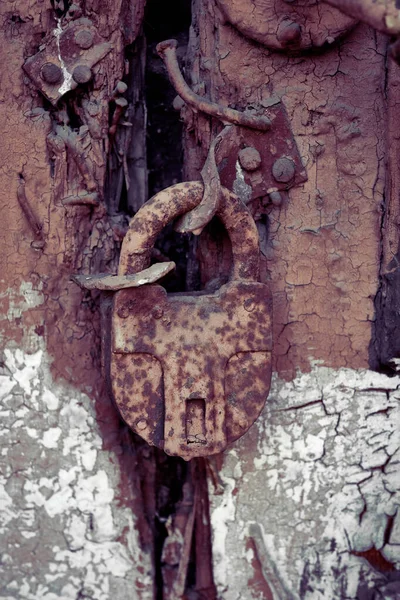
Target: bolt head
283	169
121	87
84	38
289	33
249	158
51	73
82	74
275	198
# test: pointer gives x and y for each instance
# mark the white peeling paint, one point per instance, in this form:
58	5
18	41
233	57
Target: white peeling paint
6	513
60	516
50	400
240	186
220	518
51	437
66	85
320	474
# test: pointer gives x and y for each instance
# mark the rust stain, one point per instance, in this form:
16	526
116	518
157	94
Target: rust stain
257	583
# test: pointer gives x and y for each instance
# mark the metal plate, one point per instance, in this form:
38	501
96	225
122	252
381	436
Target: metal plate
291	26
272	146
78	46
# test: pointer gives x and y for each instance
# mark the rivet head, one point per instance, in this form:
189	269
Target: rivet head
249	158
82	74
249	305
84	38
126	309
51	73
283	169
289	33
275	198
141	424
123	312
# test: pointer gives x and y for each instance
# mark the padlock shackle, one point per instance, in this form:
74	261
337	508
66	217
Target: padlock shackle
176	200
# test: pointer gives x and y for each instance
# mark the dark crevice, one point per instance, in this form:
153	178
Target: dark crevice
171	475
376	560
177	483
164	129
389	528
171	490
384	347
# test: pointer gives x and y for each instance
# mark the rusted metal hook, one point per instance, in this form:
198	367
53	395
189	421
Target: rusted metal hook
167	51
196	219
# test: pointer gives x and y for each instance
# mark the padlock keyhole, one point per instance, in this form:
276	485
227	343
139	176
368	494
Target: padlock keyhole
196	421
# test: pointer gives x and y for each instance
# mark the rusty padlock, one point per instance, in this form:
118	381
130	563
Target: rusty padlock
190	372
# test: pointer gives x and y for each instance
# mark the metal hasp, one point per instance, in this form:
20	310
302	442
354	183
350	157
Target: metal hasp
190	372
66	60
255	155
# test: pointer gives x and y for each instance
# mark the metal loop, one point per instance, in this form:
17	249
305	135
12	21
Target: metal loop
176	200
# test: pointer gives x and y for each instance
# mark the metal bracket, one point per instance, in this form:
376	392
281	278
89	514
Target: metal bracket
254	164
66	61
254	156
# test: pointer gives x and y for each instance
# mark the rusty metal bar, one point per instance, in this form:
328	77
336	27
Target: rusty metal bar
113	283
30	216
167	51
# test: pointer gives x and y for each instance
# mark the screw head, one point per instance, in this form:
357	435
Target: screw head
84	38
249	158
121	87
82	74
283	169
51	73
289	33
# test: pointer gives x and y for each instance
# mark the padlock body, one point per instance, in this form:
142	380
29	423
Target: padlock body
190	373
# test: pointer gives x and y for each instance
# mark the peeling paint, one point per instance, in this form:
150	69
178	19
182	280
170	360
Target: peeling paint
67	77
60	515
319	473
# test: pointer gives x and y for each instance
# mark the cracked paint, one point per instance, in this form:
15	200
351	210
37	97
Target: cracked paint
319	473
58	492
67	76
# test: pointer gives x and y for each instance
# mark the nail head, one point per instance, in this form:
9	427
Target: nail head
84	38
249	158
51	73
82	74
283	169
